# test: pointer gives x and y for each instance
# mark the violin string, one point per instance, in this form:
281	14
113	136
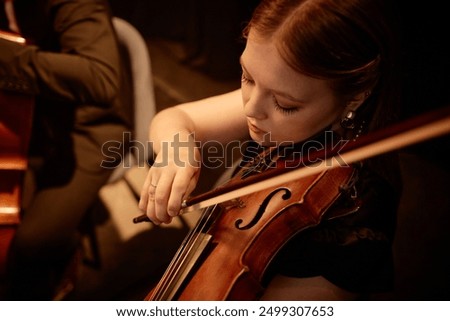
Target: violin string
193	240
182	254
170	272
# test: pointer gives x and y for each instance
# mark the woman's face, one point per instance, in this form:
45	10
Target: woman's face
282	105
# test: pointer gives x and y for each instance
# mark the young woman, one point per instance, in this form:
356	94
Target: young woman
309	67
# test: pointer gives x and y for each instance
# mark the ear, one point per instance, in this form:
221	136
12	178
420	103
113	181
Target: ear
354	103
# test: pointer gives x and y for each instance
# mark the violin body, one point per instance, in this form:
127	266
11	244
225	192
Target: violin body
247	233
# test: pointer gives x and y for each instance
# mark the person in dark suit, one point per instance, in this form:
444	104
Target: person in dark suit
73	68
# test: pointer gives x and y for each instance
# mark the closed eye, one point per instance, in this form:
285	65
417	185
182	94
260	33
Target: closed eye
284	109
245	79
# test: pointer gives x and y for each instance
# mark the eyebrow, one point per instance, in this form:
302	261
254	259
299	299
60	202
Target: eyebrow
277	92
285	95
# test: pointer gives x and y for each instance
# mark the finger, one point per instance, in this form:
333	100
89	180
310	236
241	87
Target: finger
143	200
147	196
181	189
150	210
161	197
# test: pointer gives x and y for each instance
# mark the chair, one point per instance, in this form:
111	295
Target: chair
143	93
143	109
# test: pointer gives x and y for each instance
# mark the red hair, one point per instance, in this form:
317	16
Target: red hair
348	42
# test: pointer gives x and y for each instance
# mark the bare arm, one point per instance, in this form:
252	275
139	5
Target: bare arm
218	118
176	134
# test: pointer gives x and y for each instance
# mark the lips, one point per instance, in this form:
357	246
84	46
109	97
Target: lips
255	129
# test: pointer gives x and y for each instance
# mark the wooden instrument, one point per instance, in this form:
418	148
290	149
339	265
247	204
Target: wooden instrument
16	112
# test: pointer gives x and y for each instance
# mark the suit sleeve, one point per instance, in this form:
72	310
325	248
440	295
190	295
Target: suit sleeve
85	69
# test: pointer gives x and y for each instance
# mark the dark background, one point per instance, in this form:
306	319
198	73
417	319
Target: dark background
210	32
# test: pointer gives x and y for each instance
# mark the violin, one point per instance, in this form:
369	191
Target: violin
16	112
247	221
232	238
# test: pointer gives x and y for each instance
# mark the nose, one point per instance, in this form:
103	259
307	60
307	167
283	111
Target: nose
254	104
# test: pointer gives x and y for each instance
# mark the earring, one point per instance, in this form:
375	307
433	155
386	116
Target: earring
360	130
348	122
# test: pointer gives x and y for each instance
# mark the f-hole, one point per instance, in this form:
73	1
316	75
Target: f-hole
262	208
